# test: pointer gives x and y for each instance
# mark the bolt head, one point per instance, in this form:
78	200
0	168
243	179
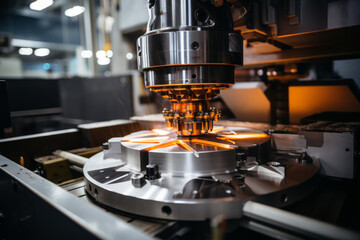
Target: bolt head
138	180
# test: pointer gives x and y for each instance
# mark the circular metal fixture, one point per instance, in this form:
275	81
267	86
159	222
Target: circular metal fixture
189	53
158	174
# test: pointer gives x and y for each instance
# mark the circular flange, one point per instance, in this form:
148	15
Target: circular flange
188	47
190	75
177	196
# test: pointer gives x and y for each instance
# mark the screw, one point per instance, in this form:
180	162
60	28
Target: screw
195	45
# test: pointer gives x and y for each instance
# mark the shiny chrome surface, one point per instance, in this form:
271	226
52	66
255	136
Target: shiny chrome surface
181	156
190	187
189	43
188	14
189	75
188	47
205	155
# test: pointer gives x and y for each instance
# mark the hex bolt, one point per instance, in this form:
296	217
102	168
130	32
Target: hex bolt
152	171
138	180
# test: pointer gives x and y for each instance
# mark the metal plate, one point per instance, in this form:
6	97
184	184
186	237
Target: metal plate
193	197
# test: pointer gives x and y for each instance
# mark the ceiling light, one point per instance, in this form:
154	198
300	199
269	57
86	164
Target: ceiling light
41	4
42	52
109	53
86	54
101	54
103	61
25	51
129	56
74	11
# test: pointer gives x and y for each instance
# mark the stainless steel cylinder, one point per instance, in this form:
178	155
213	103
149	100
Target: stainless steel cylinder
188	45
188	32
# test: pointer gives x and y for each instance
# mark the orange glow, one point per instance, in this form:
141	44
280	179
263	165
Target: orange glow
187	147
147	140
163	145
210	143
179	143
224	139
307	100
160	132
247	136
293	70
142	134
217	129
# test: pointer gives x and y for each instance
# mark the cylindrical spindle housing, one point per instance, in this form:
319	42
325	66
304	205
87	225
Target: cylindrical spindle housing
188	54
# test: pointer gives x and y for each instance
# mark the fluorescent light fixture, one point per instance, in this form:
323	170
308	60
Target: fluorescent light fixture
42	52
101	54
41	4
25	51
103	61
74	11
86	54
109	53
129	56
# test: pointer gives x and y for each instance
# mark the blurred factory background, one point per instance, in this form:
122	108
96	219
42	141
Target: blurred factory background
71	62
69	80
53	39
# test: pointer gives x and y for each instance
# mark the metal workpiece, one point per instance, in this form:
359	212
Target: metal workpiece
214	153
28	201
72	158
112	147
188	54
197	176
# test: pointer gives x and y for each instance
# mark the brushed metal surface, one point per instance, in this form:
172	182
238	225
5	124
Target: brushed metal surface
177	48
178	75
191	190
